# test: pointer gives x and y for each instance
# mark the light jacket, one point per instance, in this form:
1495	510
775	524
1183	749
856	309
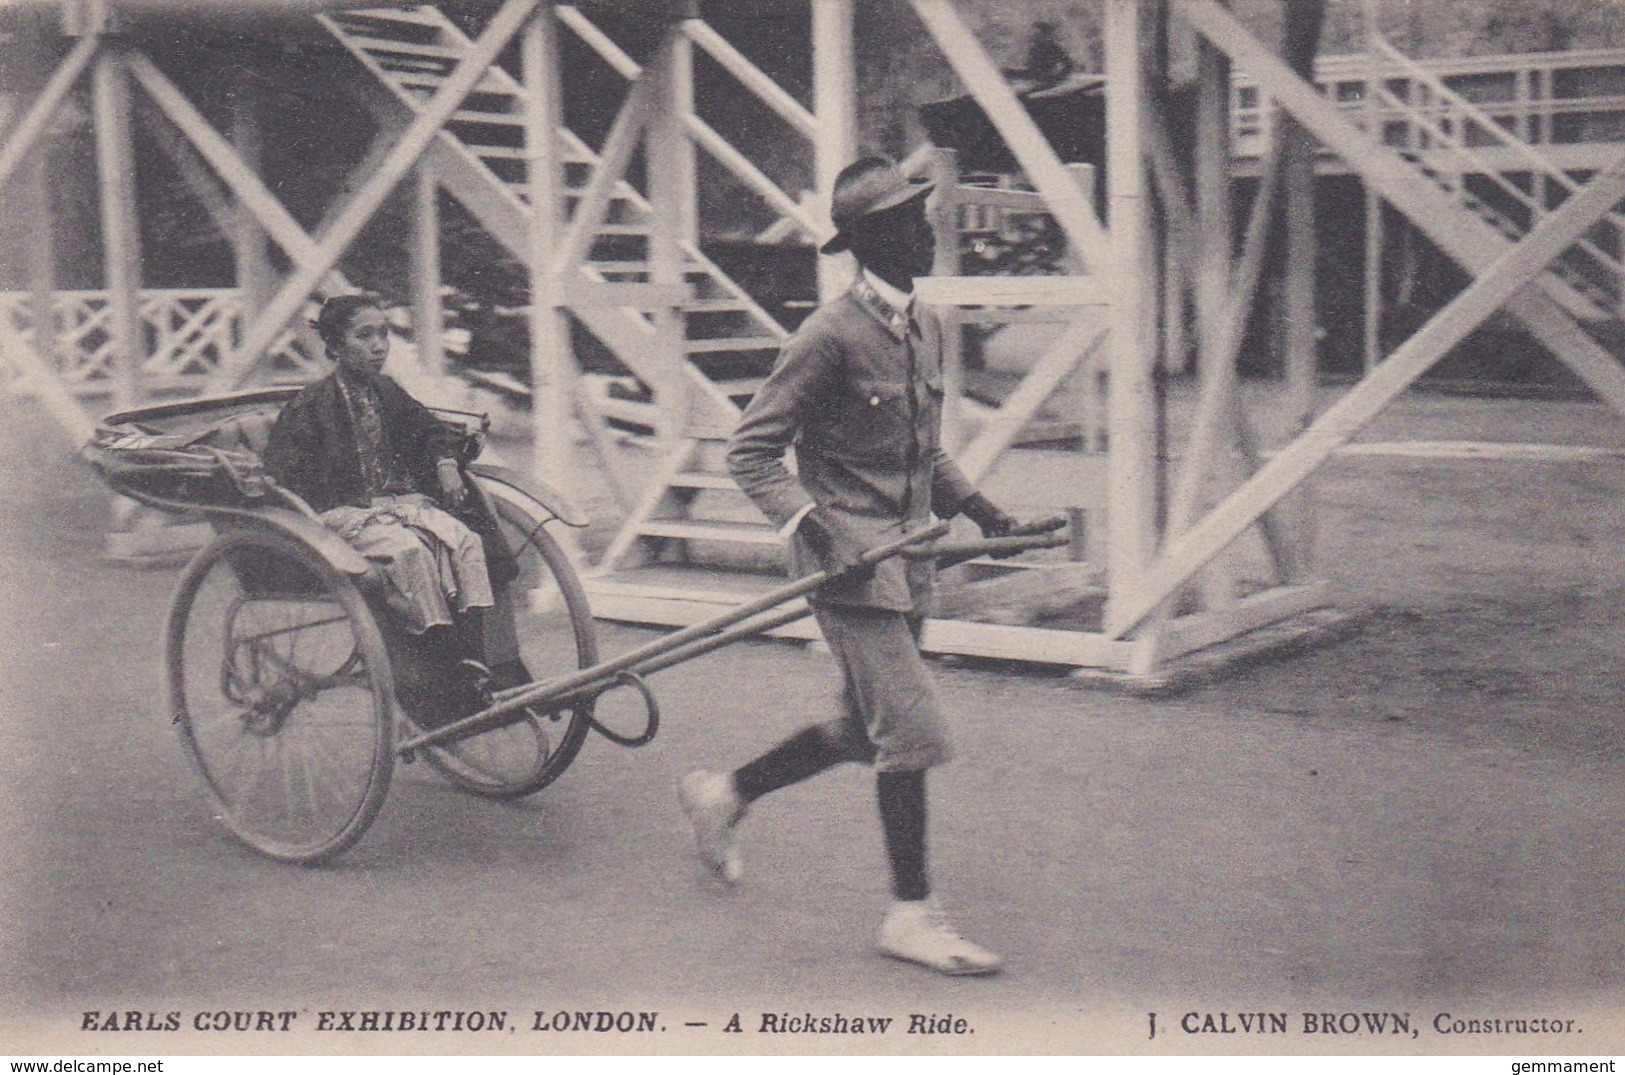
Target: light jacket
857	391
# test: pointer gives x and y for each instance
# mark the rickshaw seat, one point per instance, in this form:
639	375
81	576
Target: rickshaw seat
249	431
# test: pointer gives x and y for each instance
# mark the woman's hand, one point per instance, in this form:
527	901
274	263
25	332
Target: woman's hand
453	490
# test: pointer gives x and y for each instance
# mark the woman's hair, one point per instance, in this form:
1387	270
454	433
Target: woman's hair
338	312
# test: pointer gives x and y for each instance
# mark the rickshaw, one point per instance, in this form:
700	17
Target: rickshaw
282	667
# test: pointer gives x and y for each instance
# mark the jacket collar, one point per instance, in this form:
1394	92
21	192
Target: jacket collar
869	299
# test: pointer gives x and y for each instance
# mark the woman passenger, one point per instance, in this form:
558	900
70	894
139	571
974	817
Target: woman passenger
381	471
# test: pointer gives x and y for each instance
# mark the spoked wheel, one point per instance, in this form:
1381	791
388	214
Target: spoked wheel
553	632
279	683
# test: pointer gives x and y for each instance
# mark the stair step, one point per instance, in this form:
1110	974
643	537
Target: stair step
697	479
359	27
741	386
513	153
418	80
377	45
746	343
716	306
693	530
405	16
690	272
414	51
495	119
572	194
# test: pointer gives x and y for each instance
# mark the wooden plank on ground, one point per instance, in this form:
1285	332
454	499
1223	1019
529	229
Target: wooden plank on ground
1187	634
1021	596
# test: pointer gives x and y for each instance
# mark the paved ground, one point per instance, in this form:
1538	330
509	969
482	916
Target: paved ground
1425	819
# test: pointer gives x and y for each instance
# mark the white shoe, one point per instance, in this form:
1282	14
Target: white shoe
713	806
919	932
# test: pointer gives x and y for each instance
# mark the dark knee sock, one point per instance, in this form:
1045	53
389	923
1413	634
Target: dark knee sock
804	754
902	818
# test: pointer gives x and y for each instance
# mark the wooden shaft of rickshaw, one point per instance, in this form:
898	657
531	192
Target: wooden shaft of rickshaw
699	647
944	554
601	675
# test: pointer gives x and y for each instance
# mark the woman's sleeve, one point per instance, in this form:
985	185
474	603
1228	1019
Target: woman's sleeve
425	432
290	449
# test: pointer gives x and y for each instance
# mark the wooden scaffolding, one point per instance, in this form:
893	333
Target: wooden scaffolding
1199	543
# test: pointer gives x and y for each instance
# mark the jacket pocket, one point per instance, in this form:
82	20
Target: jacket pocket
877	429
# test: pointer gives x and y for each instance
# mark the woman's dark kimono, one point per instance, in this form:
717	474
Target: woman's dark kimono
313	452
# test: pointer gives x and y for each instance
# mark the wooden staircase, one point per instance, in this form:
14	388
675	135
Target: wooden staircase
730	340
1438	131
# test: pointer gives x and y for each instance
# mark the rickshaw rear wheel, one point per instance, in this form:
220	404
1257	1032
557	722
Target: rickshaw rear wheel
555	635
280	686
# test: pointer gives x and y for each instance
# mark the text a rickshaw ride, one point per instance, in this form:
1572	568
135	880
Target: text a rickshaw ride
290	681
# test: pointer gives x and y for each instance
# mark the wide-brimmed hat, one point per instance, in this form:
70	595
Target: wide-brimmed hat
868	186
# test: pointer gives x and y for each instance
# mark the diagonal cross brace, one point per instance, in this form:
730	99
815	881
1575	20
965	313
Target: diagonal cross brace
619	145
1508	274
21	138
1463	237
414	140
1217	406
1060	359
1032	150
247	187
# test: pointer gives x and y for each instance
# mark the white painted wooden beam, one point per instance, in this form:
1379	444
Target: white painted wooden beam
613	160
752	77
1131	462
1012	291
259	335
707	138
672	195
1299	323
428	316
1506	276
1214	279
34	122
1461	235
553	375
121	231
598	41
1187	634
835	143
1031	149
250	256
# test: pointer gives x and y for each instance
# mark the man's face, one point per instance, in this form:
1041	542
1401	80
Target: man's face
896	243
365	343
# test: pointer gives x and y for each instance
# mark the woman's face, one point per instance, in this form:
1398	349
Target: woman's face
365	343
